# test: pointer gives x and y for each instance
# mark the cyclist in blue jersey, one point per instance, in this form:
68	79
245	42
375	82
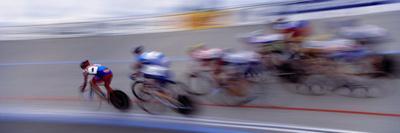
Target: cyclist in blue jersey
295	30
152	58
101	74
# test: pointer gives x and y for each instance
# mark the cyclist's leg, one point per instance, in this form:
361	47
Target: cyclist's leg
238	86
162	82
94	82
217	72
107	81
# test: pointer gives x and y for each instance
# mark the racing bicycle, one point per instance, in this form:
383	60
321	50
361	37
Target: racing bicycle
155	95
117	98
234	88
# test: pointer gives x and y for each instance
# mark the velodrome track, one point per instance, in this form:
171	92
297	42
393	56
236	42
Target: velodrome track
43	76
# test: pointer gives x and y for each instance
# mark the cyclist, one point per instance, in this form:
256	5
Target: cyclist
227	67
148	58
238	65
102	74
208	59
154	67
295	31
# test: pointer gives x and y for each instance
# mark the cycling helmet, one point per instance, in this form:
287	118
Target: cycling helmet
84	64
138	49
279	21
213	53
241	57
284	24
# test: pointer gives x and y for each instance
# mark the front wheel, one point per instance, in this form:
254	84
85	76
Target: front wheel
120	100
199	84
138	90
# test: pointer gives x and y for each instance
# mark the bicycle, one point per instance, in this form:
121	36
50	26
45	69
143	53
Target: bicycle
228	90
159	93
117	98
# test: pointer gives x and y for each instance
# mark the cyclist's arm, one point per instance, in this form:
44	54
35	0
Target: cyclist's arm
137	66
85	78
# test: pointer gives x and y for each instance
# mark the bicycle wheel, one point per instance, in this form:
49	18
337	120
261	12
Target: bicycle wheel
152	106
316	85
389	66
186	106
199	84
138	91
225	97
311	89
264	77
289	74
174	89
120	100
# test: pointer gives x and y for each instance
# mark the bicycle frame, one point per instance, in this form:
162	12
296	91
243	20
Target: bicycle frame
153	89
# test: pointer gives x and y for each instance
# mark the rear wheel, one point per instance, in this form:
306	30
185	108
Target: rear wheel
199	84
311	89
389	66
252	91
316	85
288	73
120	100
152	106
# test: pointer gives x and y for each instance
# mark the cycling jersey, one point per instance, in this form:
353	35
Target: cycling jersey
362	32
153	58
329	46
296	28
98	70
351	54
241	62
155	72
266	39
291	25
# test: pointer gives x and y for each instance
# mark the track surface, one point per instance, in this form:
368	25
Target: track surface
44	74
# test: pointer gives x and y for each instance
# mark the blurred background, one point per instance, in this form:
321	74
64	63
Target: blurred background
324	65
23	19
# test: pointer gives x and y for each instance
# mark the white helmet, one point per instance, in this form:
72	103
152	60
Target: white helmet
212	53
241	57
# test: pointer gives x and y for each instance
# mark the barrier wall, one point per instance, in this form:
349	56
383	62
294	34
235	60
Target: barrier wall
252	14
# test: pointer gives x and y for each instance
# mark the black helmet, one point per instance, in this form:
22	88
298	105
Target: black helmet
138	49
280	20
84	64
281	24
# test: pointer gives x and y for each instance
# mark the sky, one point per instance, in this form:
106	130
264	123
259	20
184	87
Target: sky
25	12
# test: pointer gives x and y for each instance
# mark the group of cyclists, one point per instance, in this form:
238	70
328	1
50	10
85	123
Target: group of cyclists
294	40
278	51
